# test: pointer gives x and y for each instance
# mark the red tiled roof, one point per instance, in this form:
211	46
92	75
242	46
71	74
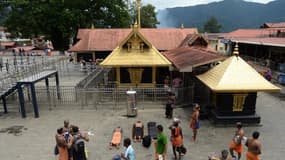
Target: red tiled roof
275	25
246	33
185	58
266	41
252	33
166	39
7	44
194	39
212	36
108	39
26	48
189	39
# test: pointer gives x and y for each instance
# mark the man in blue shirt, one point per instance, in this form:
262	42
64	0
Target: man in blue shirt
129	152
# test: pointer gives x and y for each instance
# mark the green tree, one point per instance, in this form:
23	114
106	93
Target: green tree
58	20
110	13
148	15
212	26
53	19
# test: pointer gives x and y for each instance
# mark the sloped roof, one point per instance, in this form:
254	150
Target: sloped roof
212	36
235	75
274	25
266	41
123	58
108	39
252	33
247	33
7	44
194	39
186	58
135	57
167	38
25	48
99	39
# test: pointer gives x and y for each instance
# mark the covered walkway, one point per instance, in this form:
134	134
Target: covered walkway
30	81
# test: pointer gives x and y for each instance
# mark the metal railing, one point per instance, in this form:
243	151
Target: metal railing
101	97
94	91
25	68
96	75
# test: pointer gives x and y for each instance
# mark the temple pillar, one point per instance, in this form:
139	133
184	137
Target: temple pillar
118	74
93	56
75	57
154	75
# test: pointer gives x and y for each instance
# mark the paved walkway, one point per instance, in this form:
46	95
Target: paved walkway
36	141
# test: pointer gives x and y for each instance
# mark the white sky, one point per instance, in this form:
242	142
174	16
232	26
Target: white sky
161	4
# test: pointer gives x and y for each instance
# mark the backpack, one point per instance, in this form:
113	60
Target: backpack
146	141
79	150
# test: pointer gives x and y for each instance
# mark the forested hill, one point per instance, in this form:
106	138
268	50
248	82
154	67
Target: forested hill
231	14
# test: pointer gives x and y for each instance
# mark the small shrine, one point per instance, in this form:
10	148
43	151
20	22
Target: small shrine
136	61
233	86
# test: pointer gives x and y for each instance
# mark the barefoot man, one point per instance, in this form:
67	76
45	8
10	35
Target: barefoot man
254	147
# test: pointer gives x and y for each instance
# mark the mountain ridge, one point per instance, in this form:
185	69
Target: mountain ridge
231	14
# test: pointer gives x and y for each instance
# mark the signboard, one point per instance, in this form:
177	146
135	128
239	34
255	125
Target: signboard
225	40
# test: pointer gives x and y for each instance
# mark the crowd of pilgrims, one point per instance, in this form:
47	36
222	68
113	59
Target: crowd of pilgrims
70	141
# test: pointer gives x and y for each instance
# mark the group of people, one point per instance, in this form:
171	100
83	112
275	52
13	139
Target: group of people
253	144
176	132
160	143
70	143
236	145
176	137
90	64
174	86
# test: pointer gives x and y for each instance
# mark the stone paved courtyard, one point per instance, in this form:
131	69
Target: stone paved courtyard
36	139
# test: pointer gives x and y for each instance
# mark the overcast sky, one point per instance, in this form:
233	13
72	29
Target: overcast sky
160	4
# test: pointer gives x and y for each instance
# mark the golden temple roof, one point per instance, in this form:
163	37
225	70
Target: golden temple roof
235	75
135	50
120	57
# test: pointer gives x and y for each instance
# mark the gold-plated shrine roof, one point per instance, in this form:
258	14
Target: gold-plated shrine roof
135	50
123	58
235	75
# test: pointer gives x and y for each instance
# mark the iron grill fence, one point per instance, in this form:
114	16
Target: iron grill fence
101	96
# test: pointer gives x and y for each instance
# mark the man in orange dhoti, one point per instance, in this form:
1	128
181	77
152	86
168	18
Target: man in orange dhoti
254	147
235	144
62	145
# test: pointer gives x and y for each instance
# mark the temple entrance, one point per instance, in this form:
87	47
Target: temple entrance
136	75
85	56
